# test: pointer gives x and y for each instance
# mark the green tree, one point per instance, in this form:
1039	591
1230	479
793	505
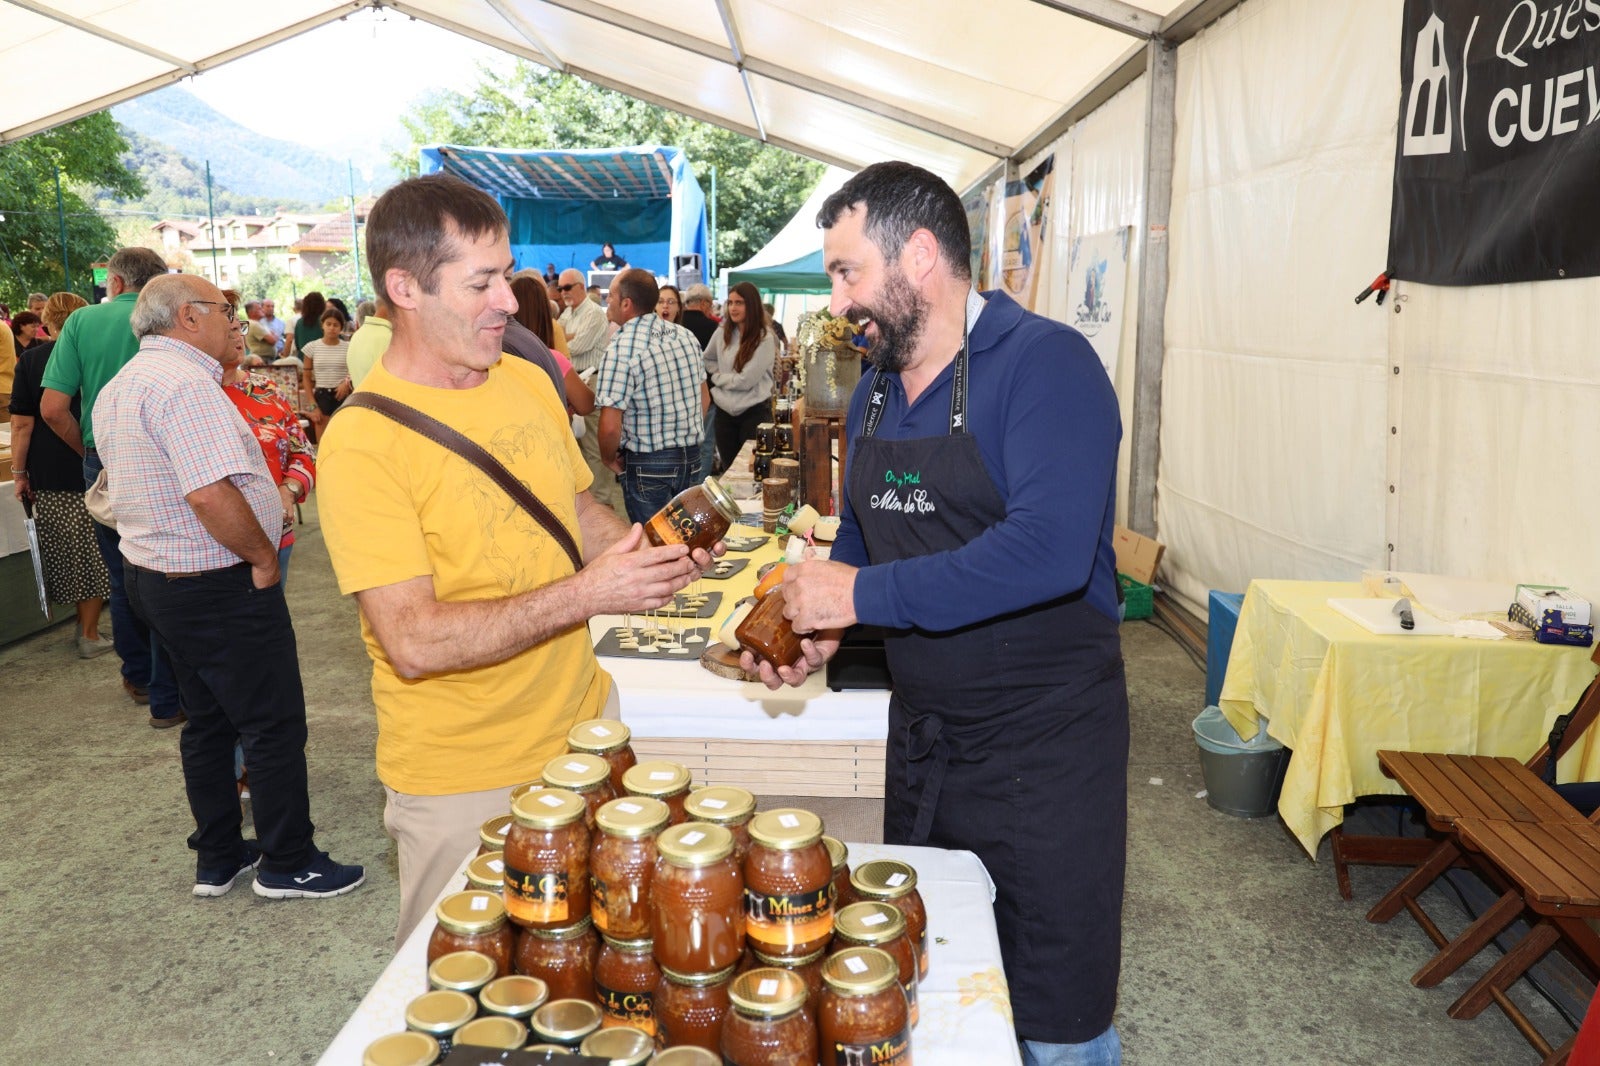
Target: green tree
266	281
87	155
759	186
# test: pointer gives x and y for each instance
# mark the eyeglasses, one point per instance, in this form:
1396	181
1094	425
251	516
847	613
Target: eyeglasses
569	285
228	310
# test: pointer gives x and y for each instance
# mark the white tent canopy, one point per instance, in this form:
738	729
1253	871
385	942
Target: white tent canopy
797	244
956	87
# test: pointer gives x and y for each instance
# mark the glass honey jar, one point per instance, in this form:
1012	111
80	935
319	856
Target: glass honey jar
462	971
472	921
768	1024
893	881
788	884
663	780
698	517
625	980
621	864
516	996
587	775
562	957
498	1032
612	741
863	1016
487	872
566	1022
401	1049
492	834
619	1047
767	634
840	856
686	1055
547	860
808	967
728	806
875	924
696	900
690	1009
440	1015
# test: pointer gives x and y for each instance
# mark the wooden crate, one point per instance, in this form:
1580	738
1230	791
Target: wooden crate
771	767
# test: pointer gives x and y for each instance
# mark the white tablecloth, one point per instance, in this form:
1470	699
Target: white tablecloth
965	1011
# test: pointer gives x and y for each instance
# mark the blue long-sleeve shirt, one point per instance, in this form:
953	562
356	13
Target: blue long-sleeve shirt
1047	424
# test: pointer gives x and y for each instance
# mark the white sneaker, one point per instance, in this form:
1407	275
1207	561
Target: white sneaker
89	649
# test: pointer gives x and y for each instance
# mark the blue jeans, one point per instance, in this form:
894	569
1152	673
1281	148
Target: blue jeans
144	660
650	479
1103	1050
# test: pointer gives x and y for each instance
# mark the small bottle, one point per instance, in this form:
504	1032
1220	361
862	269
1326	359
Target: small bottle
698	516
404	1049
788	884
728	806
621	1047
587	775
487	872
514	996
565	1022
839	854
622	863
561	957
625	980
547	860
767	634
874	924
663	780
501	1033
612	741
696	900
690	1008
768	1025
462	971
863	1015
893	881
492	834
472	921
439	1015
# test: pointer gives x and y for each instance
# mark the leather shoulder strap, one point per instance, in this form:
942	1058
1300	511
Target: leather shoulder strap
472	452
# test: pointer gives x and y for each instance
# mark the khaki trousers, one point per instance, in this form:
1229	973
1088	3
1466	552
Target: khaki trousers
605	487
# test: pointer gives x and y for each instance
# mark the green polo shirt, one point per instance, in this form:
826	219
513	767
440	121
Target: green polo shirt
95	343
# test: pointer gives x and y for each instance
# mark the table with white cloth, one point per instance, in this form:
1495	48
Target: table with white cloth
965	1009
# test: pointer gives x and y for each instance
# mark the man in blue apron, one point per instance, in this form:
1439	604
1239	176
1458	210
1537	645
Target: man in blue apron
976	524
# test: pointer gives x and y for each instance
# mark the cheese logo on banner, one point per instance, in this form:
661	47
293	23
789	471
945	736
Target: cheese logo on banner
1498	145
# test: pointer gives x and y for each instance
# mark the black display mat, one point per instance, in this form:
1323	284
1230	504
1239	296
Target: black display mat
687	605
745	542
670	644
724	569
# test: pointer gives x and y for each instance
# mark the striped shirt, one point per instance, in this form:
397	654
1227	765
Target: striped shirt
652	374
327	363
166	429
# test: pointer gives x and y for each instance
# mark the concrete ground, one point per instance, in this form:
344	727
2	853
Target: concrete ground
1237	949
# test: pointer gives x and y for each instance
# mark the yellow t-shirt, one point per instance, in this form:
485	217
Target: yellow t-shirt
396	506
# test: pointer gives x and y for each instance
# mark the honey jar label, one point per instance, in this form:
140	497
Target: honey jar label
782	921
635	1010
535	897
895	1051
675	523
597	902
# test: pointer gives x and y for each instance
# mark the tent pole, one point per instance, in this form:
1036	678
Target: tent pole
61	214
211	213
711	252
1160	121
355	234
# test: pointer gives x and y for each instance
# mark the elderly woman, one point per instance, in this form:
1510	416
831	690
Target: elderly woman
49	475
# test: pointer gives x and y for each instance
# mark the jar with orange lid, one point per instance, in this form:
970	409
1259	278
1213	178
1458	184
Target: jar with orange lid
808	967
487	872
587	775
728	806
500	1033
472	921
404	1049
560	956
547	860
621	864
788	884
767	634
662	780
625	980
619	1047
863	1016
462	971
690	1009
768	1024
839	855
516	996
440	1015
612	741
698	516
893	881
492	834
875	924
696	900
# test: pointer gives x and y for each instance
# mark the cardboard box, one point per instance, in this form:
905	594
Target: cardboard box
1137	556
1537	599
5	464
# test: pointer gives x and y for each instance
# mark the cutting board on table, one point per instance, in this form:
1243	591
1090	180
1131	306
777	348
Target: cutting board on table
1376	615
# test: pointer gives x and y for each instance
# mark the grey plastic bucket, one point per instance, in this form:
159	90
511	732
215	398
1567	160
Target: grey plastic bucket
1243	777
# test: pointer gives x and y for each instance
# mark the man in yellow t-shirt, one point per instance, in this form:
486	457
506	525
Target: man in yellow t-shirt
473	615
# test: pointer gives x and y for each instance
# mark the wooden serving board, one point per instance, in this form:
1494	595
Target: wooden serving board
724	662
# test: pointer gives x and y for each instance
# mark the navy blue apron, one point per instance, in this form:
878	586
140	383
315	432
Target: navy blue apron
1008	738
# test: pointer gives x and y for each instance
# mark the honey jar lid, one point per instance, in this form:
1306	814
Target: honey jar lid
698	980
471	912
563	932
487	871
786	963
440	1013
401	1049
549	808
623	1046
600	736
786	828
506	1034
633	946
555	1049
721	499
769	992
461	971
860	971
576	770
492	834
656	778
632	817
837	852
525	788
566	1020
883	878
720	805
514	995
870	922
695	844
685	1055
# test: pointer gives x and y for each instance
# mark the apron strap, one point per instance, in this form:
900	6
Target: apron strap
958	394
927	756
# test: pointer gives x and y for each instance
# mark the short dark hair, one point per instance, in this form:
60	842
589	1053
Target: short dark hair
410	227
136	266
639	286
26	318
899	199
334	313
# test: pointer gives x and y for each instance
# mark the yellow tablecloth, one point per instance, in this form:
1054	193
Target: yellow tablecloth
1335	694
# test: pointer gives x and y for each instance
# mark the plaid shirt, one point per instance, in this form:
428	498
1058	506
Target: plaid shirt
652	374
165	429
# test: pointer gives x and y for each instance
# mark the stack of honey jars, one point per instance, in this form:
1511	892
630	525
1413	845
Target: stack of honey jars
630	922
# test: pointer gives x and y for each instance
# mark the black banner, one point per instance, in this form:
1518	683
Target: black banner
1497	165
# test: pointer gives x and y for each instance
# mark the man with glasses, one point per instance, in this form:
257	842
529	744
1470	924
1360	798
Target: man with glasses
95	343
200	518
587	334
